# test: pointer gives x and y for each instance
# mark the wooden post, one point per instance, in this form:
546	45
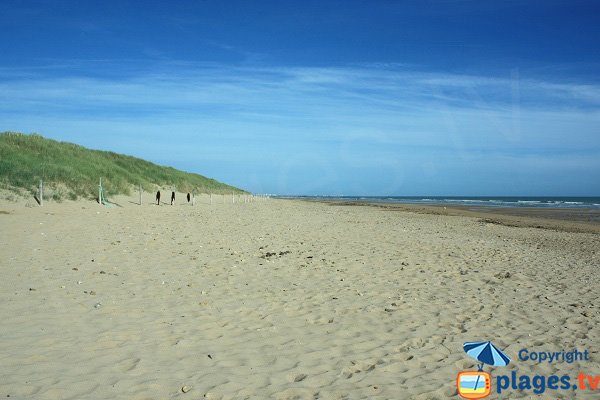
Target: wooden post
41	193
100	192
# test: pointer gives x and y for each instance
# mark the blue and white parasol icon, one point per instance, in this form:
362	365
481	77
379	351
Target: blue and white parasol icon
486	353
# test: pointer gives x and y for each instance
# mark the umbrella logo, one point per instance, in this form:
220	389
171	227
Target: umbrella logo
478	384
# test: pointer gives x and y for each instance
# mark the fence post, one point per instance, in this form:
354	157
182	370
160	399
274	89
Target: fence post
100	192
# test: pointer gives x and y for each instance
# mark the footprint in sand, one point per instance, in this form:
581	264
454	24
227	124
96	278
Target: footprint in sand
129	364
297	377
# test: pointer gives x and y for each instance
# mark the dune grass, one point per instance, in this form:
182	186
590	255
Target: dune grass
73	171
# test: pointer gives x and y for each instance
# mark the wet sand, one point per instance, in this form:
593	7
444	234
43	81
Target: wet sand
563	219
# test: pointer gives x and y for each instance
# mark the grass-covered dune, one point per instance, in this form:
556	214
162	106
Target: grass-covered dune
72	171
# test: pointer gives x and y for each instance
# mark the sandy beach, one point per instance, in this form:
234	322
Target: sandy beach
282	299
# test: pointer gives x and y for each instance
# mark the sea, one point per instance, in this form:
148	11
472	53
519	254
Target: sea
492	201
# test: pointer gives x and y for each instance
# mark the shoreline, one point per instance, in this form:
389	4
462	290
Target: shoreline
577	220
585	220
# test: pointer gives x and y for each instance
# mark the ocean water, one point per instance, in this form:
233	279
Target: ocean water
493	201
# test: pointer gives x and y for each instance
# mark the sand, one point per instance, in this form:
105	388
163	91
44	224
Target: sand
562	219
281	299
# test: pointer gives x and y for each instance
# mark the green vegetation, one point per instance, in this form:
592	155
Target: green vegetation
72	171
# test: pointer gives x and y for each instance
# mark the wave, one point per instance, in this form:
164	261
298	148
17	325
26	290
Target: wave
496	201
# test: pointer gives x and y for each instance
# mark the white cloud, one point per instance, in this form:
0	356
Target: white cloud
282	118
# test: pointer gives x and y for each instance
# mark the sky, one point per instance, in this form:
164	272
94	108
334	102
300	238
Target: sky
350	97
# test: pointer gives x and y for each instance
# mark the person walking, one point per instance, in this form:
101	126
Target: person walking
158	198
172	198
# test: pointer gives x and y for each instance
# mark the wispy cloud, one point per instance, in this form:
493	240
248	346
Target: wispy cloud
305	129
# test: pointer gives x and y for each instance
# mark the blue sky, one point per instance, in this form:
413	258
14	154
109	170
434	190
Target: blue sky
451	97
